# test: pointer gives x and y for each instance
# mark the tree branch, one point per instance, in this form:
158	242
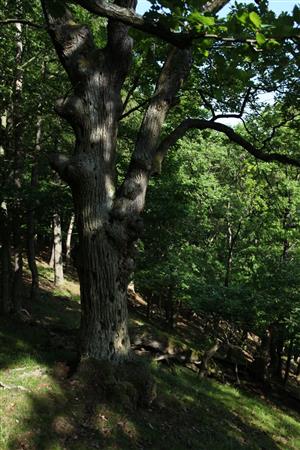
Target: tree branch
178	39
200	124
129	17
131	197
214	6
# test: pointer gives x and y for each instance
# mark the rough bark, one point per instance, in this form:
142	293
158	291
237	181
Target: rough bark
57	245
93	111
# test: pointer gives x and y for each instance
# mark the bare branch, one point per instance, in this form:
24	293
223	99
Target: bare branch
131	91
207	104
230	133
130	111
24	22
215	116
226	116
248	131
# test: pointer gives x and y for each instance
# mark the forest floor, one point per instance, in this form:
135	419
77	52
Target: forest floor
43	409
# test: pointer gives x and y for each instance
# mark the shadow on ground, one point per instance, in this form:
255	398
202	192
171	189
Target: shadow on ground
59	412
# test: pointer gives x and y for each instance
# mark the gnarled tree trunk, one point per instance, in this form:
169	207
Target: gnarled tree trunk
107	219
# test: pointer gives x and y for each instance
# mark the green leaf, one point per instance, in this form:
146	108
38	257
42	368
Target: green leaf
207	21
255	19
273	43
196	17
242	16
260	38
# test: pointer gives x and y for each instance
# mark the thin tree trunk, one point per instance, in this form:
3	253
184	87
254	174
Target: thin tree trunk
169	308
149	305
231	241
5	235
259	367
288	361
229	256
280	344
6	278
276	344
57	245
298	368
6	269
51	260
17	169
69	238
31	220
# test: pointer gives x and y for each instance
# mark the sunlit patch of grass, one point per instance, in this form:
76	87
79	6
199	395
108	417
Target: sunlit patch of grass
65	292
45	271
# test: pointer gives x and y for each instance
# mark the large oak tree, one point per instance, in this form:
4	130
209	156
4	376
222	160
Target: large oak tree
108	215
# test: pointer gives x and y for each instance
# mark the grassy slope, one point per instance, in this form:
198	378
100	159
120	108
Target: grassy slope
54	414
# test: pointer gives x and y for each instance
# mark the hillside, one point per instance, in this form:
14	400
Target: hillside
43	408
